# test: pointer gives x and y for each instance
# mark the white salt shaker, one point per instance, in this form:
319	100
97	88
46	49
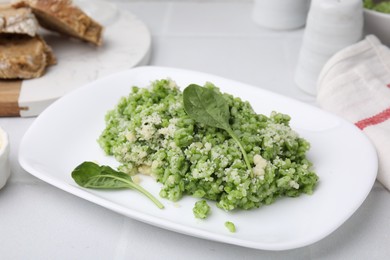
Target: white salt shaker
280	14
5	170
331	25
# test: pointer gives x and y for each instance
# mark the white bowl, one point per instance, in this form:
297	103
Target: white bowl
5	170
377	23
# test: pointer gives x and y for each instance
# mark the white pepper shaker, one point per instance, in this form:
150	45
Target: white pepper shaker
280	14
331	26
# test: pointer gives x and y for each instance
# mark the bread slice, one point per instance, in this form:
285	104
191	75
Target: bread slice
24	57
64	17
17	20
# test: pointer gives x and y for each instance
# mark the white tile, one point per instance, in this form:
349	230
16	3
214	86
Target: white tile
215	18
154	15
218	30
61	226
244	59
52	224
212	19
254	60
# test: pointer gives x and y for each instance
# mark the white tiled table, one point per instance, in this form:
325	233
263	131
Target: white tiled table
38	221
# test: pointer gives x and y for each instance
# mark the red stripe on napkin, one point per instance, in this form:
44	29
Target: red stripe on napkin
388	85
374	120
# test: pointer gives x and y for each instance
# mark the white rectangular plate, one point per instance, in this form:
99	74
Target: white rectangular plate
65	135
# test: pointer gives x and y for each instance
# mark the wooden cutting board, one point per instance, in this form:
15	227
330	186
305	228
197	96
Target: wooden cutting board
9	95
127	43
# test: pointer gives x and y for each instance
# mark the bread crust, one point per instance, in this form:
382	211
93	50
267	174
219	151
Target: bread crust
64	17
24	57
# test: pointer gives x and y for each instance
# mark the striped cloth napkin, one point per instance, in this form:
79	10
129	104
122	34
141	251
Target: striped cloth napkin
355	84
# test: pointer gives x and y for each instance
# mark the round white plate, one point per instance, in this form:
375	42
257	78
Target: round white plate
65	135
126	44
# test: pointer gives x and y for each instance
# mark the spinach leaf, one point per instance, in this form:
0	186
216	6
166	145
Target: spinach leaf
209	107
90	175
206	106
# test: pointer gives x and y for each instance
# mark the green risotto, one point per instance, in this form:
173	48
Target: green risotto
149	132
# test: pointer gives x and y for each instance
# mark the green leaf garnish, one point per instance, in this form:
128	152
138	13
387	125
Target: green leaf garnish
92	176
208	107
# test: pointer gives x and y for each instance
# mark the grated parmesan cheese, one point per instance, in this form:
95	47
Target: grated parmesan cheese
260	164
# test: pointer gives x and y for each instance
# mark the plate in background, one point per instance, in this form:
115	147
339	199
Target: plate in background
126	44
